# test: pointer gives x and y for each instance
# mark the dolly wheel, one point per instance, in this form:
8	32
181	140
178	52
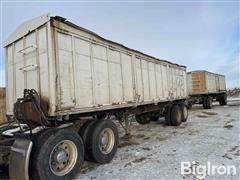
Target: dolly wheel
57	154
184	112
207	103
143	118
167	115
102	141
223	100
176	115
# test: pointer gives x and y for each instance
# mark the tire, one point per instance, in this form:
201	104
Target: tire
51	144
223	100
189	106
155	117
167	115
176	115
97	130
207	103
184	110
143	119
83	132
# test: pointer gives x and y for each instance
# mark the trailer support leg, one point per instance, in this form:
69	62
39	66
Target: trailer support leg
127	125
19	158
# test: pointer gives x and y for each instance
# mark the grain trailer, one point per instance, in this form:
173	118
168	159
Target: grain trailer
60	75
204	87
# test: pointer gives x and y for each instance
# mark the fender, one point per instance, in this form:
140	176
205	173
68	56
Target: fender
19	158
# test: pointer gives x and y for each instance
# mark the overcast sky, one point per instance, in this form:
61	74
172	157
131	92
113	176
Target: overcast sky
200	35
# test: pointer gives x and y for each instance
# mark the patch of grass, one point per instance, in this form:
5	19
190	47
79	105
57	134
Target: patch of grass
2	105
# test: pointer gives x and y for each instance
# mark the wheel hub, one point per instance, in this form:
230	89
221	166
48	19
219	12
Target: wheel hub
63	157
60	156
107	140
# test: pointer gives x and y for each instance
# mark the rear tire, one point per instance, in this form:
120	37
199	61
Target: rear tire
56	154
167	114
155	117
184	110
102	141
83	132
176	115
223	100
143	118
207	103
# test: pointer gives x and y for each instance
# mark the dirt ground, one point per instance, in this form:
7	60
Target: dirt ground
2	104
155	151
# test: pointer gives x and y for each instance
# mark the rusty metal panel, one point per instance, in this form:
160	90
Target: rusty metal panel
101	74
83	74
222	84
152	81
31	66
127	76
165	81
139	79
19	64
159	81
28	66
43	63
65	70
205	82
10	79
115	77
145	76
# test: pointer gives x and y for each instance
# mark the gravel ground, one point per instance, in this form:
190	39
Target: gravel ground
156	151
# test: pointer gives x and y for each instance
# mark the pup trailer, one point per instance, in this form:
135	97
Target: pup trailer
204	87
65	87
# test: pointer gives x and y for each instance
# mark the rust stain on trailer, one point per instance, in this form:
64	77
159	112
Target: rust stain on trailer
2	105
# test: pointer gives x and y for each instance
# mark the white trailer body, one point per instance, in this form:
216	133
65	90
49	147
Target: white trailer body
75	71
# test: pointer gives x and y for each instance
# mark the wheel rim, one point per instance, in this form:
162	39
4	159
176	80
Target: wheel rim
106	141
63	157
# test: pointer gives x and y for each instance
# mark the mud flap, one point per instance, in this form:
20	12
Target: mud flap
19	158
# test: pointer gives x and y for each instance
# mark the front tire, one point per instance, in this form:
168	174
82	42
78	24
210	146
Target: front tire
57	154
